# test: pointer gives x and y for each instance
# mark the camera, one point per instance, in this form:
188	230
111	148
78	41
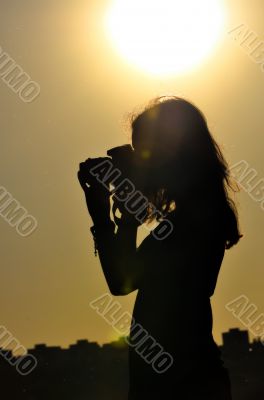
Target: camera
121	164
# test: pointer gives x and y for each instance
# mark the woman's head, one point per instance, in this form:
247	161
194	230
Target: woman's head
181	161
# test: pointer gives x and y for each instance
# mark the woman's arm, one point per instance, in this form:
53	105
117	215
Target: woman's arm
118	254
120	261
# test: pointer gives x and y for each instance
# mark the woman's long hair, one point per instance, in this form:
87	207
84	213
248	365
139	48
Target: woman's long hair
186	166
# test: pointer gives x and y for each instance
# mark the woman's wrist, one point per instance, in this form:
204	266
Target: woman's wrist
99	229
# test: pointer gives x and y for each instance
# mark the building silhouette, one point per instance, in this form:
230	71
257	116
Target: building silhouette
245	362
86	370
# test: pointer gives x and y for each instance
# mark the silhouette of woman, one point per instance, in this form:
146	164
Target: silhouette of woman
187	180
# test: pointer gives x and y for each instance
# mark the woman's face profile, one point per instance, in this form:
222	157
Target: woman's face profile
171	144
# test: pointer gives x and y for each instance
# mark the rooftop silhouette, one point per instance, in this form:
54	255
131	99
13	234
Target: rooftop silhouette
87	370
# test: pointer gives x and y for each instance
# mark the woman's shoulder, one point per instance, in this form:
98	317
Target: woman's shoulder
194	226
155	240
187	230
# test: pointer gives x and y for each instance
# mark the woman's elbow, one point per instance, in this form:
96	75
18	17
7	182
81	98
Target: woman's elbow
121	289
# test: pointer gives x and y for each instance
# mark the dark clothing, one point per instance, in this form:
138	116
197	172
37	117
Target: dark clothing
173	307
200	384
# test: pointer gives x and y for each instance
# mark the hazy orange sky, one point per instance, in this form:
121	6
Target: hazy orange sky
49	278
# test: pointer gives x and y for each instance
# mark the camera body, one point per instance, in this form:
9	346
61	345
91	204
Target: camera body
122	159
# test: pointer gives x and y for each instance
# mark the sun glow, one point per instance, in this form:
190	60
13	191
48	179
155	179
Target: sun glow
165	37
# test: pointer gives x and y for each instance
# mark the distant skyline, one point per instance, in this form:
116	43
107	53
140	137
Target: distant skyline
231	335
88	369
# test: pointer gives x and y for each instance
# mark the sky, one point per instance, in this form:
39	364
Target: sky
49	277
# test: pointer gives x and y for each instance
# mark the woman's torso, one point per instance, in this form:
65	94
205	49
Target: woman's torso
173	300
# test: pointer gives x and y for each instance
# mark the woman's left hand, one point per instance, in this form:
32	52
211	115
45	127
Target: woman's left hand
97	199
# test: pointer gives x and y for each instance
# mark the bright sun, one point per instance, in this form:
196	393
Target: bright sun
165	37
